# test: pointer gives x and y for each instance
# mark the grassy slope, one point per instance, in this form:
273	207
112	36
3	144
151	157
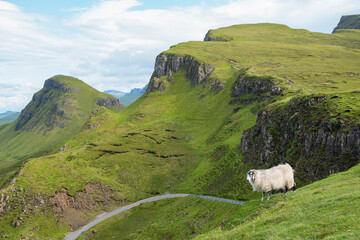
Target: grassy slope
326	209
203	132
305	63
16	146
177	218
316	62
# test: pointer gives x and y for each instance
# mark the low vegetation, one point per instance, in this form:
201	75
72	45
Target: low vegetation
187	139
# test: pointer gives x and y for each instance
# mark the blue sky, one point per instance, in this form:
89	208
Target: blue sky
112	44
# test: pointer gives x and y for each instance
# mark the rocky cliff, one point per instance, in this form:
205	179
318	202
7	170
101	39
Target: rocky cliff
348	22
208	37
305	133
196	72
257	85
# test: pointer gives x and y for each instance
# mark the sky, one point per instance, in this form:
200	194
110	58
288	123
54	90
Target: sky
112	44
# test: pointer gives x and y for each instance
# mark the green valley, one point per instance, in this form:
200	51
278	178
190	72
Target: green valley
252	95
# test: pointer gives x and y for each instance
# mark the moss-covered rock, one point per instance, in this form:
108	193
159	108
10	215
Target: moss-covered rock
307	132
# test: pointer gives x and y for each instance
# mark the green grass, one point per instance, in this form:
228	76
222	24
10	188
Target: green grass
322	210
181	218
315	62
44	132
187	139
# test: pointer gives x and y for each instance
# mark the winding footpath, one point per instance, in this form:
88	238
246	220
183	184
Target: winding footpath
100	218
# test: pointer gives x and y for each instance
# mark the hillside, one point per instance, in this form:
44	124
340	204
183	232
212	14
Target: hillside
192	131
322	210
55	113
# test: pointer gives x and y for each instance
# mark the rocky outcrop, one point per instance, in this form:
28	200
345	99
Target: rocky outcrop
208	37
348	22
305	135
108	102
167	64
73	209
44	103
257	85
60	86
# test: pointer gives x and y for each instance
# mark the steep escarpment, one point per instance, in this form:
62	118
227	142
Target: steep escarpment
209	37
256	85
348	22
196	72
312	133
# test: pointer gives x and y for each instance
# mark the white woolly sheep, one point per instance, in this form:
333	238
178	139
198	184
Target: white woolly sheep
280	177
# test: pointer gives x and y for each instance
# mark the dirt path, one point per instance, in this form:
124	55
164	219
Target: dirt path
100	218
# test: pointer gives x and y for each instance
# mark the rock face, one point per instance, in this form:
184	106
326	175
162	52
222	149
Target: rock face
108	102
53	84
167	64
73	208
208	37
256	85
348	22
45	103
303	134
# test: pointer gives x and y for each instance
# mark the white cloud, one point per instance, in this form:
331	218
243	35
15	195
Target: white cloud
113	45
6	6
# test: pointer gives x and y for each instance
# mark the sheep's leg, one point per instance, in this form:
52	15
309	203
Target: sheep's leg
294	188
268	195
262	198
286	189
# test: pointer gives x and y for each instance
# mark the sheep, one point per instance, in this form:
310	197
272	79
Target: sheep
280	177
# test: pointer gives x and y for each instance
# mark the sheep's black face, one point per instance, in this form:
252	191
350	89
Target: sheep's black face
250	176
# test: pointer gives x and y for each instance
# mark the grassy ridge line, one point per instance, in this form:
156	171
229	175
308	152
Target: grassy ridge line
307	61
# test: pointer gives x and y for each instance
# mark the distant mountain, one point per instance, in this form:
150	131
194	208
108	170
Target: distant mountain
128	98
348	22
115	93
8	117
55	113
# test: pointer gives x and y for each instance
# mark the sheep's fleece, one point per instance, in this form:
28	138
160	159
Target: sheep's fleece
280	177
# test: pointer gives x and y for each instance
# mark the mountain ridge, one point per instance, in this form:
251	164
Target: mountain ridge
186	137
55	113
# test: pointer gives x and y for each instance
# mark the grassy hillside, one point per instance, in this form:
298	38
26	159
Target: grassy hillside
322	210
178	218
183	139
55	113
